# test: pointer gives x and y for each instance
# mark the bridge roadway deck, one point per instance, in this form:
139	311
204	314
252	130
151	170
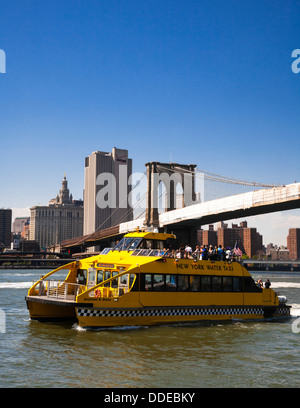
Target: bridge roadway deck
241	205
237	206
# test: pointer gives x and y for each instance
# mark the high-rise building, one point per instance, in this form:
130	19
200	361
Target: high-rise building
252	241
61	219
208	237
106	190
293	243
5	228
19	224
248	239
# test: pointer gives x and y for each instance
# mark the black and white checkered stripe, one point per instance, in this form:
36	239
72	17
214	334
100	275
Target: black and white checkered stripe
170	312
282	311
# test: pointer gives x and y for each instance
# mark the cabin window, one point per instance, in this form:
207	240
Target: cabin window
206	283
91	277
106	275
171	283
158	282
99	276
114	283
81	276
127	244
217	284
152	244
149	244
227	284
124	279
148	282
183	283
236	284
131	279
195	282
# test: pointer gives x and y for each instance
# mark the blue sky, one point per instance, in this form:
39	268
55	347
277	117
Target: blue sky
206	82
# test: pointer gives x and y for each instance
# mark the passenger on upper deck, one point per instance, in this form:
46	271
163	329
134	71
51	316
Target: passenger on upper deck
204	252
196	253
260	283
220	253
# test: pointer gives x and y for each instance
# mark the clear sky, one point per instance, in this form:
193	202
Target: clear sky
192	81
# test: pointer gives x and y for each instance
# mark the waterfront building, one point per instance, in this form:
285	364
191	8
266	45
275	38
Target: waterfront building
208	237
293	243
61	219
5	228
248	239
106	173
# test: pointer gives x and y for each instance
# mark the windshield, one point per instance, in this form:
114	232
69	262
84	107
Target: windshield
128	244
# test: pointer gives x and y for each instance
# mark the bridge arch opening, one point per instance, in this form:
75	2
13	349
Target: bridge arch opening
168	179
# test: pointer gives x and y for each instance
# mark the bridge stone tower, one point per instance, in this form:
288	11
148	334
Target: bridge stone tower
170	174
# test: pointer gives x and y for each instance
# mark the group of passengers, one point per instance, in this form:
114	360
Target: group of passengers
203	252
261	285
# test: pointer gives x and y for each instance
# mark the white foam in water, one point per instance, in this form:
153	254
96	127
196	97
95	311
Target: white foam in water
295	310
78	328
15	285
277	285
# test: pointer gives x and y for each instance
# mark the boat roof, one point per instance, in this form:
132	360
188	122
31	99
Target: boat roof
150	235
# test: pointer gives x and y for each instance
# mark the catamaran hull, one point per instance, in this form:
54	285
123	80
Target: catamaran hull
97	317
43	309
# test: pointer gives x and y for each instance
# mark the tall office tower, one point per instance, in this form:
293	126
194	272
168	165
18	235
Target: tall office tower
5	228
106	190
293	243
61	219
19	223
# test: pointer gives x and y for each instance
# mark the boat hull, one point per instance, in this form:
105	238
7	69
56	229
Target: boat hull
101	317
45	309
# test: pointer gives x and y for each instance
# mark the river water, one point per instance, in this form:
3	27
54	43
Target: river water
236	354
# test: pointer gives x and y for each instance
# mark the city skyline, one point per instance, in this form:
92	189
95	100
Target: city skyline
208	83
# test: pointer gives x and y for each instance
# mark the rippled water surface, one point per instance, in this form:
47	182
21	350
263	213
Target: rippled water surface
237	354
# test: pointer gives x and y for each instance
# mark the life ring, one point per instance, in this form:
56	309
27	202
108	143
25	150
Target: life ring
97	293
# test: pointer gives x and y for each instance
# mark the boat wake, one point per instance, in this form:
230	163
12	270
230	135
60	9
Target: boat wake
277	285
295	310
116	328
15	285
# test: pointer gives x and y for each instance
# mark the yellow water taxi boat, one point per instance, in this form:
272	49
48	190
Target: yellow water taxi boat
139	282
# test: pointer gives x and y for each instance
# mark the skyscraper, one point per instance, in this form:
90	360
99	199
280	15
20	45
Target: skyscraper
293	243
106	190
5	228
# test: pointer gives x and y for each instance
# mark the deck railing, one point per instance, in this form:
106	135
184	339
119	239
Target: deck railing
57	289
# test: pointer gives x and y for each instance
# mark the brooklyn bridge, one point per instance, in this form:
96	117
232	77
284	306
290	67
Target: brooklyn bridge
218	198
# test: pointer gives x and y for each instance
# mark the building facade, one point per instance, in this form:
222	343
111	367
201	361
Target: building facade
5	228
61	219
248	239
293	243
106	190
19	223
208	237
